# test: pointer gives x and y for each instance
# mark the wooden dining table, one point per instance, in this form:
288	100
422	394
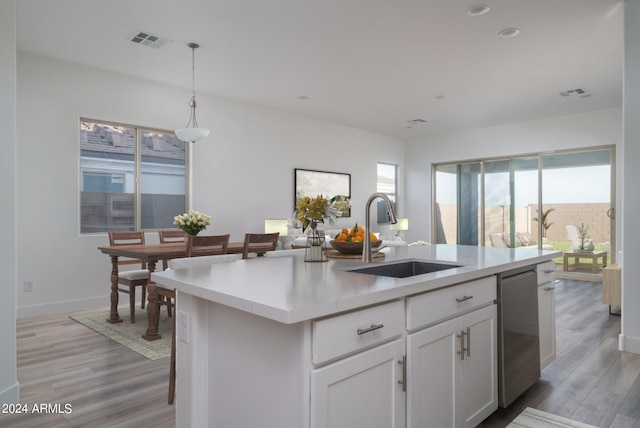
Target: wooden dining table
152	254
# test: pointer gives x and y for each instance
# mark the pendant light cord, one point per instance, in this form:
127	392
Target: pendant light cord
192	103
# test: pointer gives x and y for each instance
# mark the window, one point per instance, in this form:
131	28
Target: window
130	177
387	184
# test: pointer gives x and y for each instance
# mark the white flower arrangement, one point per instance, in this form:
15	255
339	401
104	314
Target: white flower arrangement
192	222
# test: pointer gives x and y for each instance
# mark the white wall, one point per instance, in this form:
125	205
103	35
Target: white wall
9	389
630	335
242	173
597	128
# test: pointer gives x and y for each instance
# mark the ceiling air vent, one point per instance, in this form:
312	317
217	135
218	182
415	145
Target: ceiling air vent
581	92
147	39
413	122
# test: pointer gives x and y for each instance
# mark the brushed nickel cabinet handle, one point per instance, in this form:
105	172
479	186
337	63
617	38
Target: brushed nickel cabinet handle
468	341
369	329
549	271
463	298
461	351
403	381
549	288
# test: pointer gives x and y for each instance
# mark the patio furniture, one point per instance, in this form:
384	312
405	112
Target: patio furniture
612	286
594	256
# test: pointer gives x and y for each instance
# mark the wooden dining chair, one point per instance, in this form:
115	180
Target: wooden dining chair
130	279
168	237
178	264
259	243
172	235
211	245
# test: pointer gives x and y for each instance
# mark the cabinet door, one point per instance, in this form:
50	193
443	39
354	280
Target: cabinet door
547	321
479	368
360	391
432	366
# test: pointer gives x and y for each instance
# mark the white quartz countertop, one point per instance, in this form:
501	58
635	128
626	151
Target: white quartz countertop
290	290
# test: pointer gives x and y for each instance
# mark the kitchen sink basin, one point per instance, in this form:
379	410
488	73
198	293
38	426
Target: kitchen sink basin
405	268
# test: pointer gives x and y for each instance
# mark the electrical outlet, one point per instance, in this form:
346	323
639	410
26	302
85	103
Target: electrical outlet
183	326
28	286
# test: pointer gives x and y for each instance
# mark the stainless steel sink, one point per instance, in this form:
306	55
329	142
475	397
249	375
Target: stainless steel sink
405	268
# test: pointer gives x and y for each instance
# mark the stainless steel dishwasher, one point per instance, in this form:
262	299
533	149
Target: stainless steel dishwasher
518	333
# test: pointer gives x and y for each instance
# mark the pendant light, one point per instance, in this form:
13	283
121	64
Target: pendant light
191	132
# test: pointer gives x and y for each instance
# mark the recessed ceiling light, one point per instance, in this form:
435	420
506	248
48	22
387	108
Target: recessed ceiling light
509	32
478	9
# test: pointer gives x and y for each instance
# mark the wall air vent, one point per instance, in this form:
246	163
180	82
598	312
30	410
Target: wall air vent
581	92
147	39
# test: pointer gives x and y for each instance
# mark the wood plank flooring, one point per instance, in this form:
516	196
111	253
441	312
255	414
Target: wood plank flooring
590	380
108	385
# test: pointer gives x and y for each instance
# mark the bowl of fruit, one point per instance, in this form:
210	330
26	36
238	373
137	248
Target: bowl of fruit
351	241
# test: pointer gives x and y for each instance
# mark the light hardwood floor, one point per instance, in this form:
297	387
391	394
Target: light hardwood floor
107	385
590	380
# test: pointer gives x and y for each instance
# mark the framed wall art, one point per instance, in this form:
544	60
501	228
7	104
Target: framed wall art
328	184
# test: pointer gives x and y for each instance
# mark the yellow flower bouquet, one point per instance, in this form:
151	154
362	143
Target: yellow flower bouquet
315	210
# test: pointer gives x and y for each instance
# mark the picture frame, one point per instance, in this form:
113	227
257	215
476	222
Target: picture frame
312	183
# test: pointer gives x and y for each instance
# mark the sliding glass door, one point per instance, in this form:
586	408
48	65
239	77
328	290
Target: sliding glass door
533	200
511	195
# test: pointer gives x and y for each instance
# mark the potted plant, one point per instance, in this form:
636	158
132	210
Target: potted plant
544	220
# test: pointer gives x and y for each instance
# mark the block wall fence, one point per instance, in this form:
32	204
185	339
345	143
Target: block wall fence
592	215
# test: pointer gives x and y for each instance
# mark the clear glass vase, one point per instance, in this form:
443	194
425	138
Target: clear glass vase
315	244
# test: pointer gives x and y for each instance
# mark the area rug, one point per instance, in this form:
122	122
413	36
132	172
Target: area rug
129	334
534	418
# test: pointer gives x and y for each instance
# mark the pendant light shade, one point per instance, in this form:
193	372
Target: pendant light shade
191	132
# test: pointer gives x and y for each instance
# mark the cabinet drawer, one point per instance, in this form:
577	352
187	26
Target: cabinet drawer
344	334
430	307
546	272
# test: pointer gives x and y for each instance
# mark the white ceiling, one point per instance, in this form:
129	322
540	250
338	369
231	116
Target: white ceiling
370	64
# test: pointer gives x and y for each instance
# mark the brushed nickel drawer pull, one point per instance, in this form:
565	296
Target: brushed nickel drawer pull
463	298
369	329
549	271
549	288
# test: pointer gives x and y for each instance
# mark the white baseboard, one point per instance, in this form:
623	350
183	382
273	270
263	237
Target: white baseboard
63	307
11	394
629	344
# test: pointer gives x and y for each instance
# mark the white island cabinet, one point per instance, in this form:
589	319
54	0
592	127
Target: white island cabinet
277	342
452	365
547	312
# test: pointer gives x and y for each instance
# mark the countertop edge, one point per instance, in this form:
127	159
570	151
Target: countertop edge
411	286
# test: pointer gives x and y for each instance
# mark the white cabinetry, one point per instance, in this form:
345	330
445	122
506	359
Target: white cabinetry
365	389
547	312
427	360
360	391
452	365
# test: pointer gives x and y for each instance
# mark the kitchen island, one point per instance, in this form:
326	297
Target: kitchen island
277	342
